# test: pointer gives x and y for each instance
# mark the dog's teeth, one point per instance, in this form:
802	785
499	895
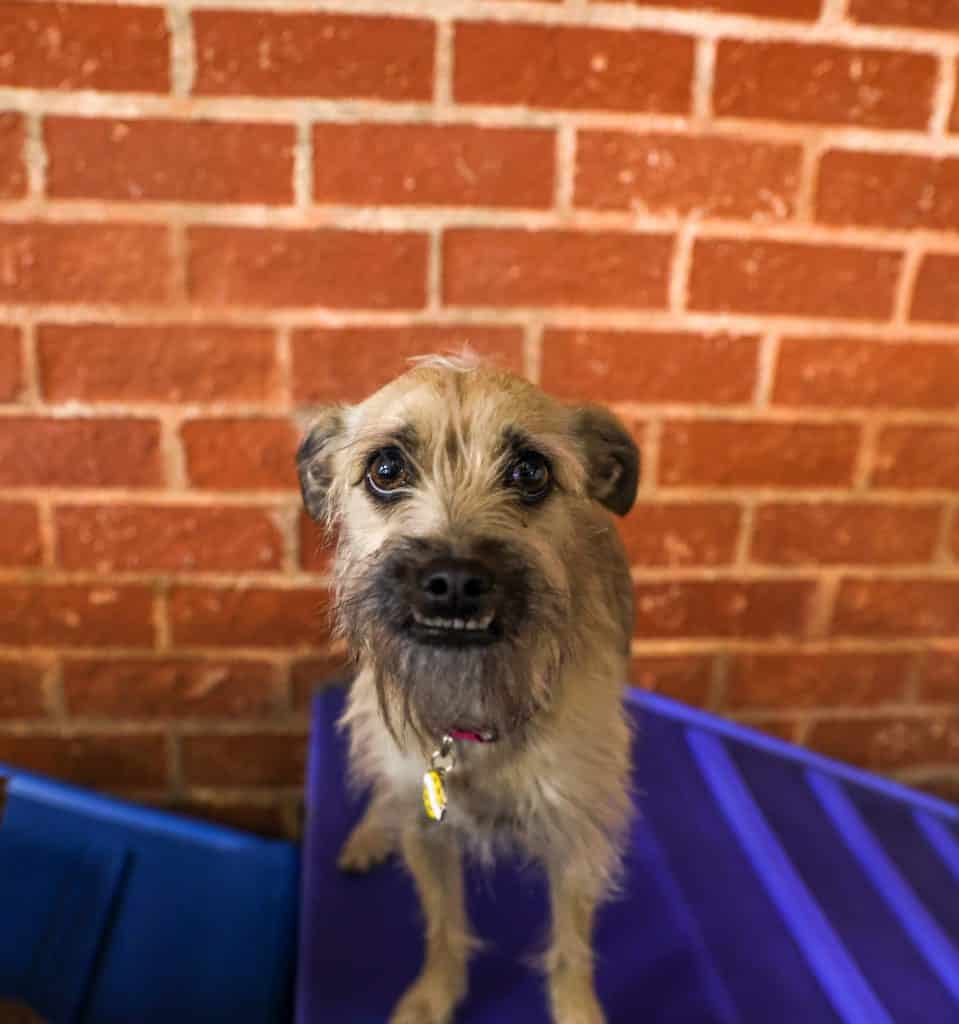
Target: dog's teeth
458	623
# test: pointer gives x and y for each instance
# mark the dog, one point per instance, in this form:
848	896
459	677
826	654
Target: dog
486	602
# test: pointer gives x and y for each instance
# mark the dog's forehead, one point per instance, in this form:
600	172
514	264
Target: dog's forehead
429	399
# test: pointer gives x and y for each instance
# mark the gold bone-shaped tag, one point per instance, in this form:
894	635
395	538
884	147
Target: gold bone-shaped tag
434	794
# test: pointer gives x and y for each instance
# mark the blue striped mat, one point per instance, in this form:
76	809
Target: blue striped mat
766	885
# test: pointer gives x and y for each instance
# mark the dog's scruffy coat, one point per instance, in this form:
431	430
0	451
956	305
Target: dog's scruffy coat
482	588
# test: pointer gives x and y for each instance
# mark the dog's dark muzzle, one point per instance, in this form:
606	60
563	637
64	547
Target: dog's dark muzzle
450	600
455	601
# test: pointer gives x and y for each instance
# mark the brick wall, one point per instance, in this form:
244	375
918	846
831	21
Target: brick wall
736	220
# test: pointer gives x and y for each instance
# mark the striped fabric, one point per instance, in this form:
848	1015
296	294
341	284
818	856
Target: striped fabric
765	884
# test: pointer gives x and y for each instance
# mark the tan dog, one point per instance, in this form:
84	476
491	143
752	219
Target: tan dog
484	594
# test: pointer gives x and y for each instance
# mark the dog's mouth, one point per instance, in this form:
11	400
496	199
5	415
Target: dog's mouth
454	632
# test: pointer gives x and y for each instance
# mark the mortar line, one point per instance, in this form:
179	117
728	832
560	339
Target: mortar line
703	77
906	286
943	98
812	152
866	456
182	48
443	66
769	346
533	351
303	158
680	266
566	144
31	384
35	155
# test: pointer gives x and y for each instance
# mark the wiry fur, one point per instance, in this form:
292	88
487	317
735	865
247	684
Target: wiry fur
555	784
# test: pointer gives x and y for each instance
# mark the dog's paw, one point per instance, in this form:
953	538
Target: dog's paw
426	1002
366	847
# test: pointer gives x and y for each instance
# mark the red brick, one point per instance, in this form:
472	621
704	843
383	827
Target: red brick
37	452
798	10
324	267
184	538
22	689
308	676
440	165
313	55
13	171
722	608
917	456
898	607
172	363
821	84
171	688
316	548
889	742
68	615
20	544
852	372
940	677
807	680
263	817
188	161
835	533
250	616
555	268
245	759
891	190
11	369
84	46
793	278
943	786
378	354
577	68
661	366
931	14
685	677
677	534
758	454
711	176
113	762
936	292
240	454
117	263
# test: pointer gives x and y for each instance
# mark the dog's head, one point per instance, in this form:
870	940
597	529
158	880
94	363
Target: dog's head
460	496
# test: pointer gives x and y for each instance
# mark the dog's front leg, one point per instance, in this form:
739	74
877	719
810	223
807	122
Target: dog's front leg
374	837
434	862
575	891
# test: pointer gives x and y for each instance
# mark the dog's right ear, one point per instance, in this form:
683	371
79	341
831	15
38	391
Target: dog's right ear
314	461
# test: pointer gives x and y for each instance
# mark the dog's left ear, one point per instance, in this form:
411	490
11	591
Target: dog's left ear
314	461
611	455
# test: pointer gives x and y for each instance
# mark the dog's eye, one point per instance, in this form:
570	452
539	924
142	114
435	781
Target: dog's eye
529	474
386	472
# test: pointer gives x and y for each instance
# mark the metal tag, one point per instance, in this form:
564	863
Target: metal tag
434	781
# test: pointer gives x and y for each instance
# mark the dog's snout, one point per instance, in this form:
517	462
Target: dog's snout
455	587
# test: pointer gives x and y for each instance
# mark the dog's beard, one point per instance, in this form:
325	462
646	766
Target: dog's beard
427	688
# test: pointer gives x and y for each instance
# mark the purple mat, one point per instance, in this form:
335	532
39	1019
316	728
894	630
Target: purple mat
765	885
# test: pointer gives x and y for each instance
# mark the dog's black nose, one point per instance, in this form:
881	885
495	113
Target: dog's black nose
455	588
